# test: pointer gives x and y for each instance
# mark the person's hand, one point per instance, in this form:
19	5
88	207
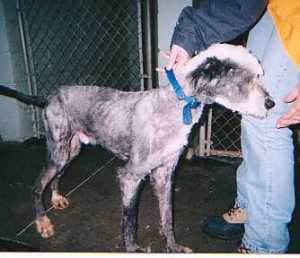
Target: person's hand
293	115
178	57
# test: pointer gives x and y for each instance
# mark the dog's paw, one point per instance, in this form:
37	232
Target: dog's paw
59	202
44	227
179	249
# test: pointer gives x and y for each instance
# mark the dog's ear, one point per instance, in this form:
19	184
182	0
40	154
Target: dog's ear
212	69
208	75
237	54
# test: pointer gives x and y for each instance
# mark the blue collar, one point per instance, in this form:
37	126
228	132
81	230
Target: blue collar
191	101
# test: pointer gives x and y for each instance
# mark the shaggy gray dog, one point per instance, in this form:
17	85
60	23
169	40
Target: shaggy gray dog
145	129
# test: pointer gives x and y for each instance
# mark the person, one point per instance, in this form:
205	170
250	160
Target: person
265	179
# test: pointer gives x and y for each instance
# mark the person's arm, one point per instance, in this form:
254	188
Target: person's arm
215	21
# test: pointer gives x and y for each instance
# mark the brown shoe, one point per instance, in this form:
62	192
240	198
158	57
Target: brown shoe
229	226
235	215
242	249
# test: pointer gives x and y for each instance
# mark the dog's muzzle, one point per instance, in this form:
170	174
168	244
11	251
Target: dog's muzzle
269	103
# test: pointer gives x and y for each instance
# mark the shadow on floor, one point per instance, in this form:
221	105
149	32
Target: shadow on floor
92	222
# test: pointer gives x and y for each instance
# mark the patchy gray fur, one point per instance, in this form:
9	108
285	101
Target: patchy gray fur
143	128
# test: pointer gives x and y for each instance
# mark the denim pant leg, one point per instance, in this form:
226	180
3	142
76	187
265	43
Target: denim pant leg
265	179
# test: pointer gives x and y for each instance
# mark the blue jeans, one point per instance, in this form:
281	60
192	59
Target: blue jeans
265	179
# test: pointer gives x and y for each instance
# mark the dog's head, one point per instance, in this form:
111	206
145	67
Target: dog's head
230	76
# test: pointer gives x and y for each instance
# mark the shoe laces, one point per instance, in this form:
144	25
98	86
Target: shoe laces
234	211
235	215
242	249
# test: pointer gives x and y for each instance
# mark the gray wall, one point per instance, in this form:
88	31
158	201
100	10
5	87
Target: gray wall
15	118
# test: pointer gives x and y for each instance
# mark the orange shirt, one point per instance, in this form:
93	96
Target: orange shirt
286	15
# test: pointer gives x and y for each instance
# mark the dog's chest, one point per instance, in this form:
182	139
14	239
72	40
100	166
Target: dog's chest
175	135
163	126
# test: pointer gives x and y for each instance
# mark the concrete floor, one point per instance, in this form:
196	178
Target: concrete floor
92	222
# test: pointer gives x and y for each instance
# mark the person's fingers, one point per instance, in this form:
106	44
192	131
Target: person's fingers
172	59
165	54
286	123
292	95
178	56
288	115
159	70
282	121
293	115
183	59
288	118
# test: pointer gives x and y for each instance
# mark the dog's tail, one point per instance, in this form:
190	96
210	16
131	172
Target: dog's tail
26	99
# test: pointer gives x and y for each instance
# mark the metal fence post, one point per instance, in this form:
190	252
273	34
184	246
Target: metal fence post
28	68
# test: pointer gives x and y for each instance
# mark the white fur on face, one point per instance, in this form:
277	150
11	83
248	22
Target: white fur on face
254	105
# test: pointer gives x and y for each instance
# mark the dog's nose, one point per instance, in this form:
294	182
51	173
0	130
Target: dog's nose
269	103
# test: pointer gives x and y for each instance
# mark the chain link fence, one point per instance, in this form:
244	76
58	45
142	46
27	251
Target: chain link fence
218	134
225	139
99	42
82	42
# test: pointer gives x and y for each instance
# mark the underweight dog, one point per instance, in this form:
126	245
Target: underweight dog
143	128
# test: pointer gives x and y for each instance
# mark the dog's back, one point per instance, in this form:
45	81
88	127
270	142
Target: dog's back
115	119
92	113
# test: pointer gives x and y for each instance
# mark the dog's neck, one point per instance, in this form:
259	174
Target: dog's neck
188	88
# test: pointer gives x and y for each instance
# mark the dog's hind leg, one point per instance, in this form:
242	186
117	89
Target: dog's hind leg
60	153
43	223
59	135
58	200
161	179
129	185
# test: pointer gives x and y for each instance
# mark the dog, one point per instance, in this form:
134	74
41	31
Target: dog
144	128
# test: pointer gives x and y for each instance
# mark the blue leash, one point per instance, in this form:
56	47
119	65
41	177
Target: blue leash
191	101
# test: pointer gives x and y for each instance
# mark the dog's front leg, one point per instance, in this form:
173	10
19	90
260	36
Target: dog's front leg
161	179
129	185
